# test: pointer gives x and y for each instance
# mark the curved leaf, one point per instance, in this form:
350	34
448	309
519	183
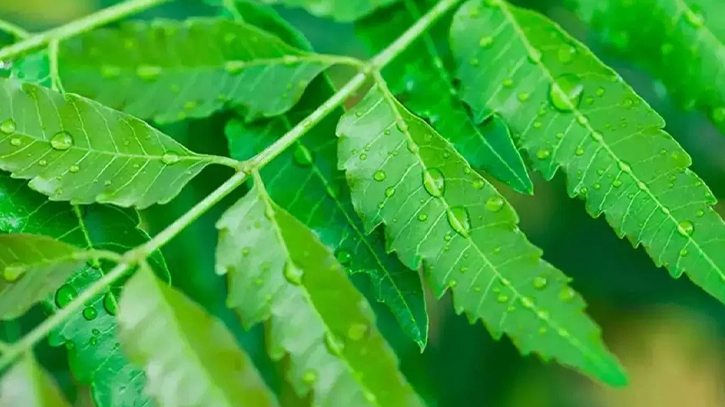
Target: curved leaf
26	384
190	358
681	42
32	266
90	336
572	111
420	79
279	271
439	213
74	149
340	10
170	70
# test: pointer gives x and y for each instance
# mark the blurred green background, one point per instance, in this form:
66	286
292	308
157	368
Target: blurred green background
668	333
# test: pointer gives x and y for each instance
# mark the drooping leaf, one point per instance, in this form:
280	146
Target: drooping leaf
77	150
170	70
420	78
572	111
441	214
190	358
280	272
339	10
681	42
32	266
26	384
90	335
322	201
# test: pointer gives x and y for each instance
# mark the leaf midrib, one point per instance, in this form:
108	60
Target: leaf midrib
575	110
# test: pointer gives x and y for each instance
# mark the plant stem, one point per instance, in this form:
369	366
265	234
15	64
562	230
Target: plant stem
76	27
14	30
140	253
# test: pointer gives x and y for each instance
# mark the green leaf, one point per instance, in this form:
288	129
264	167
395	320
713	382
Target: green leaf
322	201
170	70
34	68
26	384
681	42
572	111
90	335
420	79
339	10
75	149
440	214
33	266
280	272
190	357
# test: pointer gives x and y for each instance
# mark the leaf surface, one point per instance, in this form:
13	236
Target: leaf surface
572	111
279	271
322	200
440	214
33	266
339	10
419	77
681	42
190	358
26	384
170	70
74	149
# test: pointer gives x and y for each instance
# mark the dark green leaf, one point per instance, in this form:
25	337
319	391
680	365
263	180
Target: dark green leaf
279	271
27	385
190	357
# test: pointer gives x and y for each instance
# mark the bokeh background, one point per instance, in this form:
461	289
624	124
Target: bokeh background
669	334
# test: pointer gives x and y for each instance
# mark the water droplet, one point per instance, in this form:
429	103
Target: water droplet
390	191
567	294
43	163
507	83
459	220
334	345
502	298
485	42
64	295
524	96
683	252
566	54
357	331
309	377
583	120
61	141
579	151
110	71
93	341
343	256
95	331
543	154
479	184
16	142
170	158
303	156
110	304
534	56
293	274
700	213
685	228
379	175
600	91
8	126
540	282
13	272
566	92
422	217
89	313
494	203
74	169
434	182
527	302
148	72
369	396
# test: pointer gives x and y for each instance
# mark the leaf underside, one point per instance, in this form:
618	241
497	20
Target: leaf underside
171	70
279	271
26	384
571	111
74	149
440	213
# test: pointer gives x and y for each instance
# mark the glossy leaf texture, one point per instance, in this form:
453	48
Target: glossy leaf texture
572	111
172	70
90	335
420	79
322	200
339	10
278	271
681	42
441	214
26	384
32	266
190	357
74	149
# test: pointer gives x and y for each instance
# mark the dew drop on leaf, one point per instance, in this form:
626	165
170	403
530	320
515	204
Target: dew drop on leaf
303	156
379	175
422	217
148	72
89	313
686	228
16	142
543	154
343	256
65	295
61	141
502	298
292	274
434	182
390	191
357	331
566	92
486	41
170	158
310	377
74	168
7	126
527	302
566	54
540	282
494	203
524	96
459	220
93	341
567	294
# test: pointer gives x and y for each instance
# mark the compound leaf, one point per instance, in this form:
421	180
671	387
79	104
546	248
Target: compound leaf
190	357
26	384
440	213
279	271
74	149
170	70
572	111
33	266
